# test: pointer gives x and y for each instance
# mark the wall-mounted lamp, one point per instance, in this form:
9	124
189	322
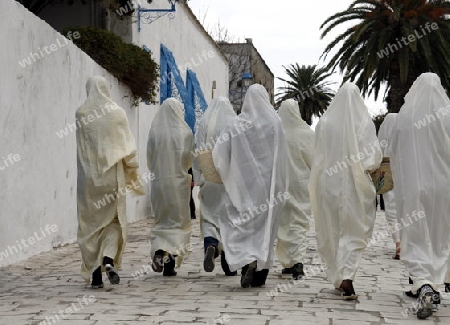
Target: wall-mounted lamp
148	16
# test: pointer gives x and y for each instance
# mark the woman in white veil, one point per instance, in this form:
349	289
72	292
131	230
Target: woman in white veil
341	190
253	167
212	196
421	169
107	168
170	150
294	224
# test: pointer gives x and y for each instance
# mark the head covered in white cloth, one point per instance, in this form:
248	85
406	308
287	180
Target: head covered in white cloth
108	134
348	123
169	134
300	137
289	113
97	90
426	100
213	122
257	104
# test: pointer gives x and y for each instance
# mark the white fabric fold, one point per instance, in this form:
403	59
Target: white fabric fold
253	166
170	150
294	224
421	168
342	193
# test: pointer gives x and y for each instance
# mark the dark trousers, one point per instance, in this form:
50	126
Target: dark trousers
210	241
192	205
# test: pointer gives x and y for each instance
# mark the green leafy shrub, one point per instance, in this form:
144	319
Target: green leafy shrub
130	64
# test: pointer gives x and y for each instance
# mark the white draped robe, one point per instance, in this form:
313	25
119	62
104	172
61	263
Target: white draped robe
420	150
342	193
212	196
294	224
107	163
170	151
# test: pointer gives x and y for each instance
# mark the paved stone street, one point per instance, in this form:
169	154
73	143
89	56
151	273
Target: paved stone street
52	284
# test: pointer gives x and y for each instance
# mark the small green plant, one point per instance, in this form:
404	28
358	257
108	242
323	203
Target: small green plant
130	64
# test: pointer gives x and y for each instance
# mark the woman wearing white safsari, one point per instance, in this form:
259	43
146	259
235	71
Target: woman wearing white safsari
107	169
294	224
386	129
253	166
169	156
341	190
212	196
421	169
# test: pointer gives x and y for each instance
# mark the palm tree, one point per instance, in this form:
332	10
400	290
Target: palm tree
309	87
392	42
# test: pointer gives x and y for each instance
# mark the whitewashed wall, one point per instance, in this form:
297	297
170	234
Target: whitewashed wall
190	45
36	101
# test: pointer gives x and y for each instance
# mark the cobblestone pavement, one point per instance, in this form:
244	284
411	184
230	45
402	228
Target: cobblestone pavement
48	286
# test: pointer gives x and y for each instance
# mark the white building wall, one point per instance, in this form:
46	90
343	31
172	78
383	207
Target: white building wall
192	49
37	101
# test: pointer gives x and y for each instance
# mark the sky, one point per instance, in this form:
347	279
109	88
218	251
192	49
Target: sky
284	31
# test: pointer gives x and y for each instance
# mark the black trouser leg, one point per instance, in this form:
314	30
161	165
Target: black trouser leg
97	276
192	205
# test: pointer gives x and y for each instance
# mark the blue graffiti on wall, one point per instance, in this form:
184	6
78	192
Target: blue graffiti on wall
172	85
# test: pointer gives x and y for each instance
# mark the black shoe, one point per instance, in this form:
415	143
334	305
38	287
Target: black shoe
169	267
287	270
111	271
112	274
447	287
348	290
247	274
171	272
208	261
97	281
298	273
259	278
158	261
425	302
225	267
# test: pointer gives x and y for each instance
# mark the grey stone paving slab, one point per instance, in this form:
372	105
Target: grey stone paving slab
28	296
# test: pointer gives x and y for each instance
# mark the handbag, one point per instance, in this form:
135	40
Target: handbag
207	166
382	177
